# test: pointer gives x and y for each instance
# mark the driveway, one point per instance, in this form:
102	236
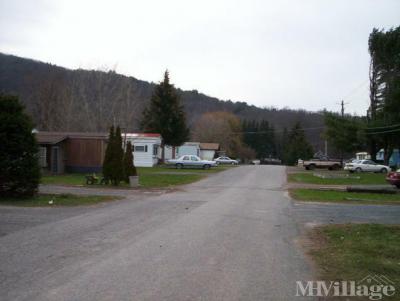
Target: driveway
230	236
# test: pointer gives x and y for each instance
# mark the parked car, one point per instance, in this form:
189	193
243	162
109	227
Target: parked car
394	178
311	164
191	161
226	160
255	162
366	165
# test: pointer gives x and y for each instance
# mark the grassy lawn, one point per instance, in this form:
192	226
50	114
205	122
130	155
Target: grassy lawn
364	179
330	196
149	177
352	252
42	200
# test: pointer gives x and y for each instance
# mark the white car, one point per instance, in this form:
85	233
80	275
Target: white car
226	160
191	161
366	165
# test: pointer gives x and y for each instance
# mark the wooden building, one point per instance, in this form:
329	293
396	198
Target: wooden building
71	152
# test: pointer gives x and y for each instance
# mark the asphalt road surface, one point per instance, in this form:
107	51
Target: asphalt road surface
228	237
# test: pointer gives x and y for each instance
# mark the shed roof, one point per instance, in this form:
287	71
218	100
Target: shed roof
209	146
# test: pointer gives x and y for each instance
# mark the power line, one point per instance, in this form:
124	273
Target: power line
355	89
384	132
383	127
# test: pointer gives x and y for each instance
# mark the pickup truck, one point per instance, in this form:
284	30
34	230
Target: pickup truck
331	164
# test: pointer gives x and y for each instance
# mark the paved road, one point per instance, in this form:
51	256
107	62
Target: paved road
228	237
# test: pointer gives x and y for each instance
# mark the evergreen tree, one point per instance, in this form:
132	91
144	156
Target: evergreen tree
107	165
166	115
113	168
384	110
129	166
19	164
346	133
283	143
117	159
260	137
297	147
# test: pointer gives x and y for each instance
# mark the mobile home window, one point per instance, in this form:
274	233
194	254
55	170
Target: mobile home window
141	148
155	150
42	157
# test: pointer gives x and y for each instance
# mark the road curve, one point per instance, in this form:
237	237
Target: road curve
228	237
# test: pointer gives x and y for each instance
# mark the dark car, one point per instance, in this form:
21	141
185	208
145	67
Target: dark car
394	178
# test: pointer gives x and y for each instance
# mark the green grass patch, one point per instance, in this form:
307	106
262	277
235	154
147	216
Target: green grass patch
353	179
149	177
314	195
64	179
352	252
45	200
158	180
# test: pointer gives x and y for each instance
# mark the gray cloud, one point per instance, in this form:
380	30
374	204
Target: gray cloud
301	54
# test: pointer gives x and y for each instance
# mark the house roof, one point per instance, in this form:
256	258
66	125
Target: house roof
57	137
209	146
49	138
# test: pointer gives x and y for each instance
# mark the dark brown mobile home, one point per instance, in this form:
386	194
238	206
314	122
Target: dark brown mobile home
72	152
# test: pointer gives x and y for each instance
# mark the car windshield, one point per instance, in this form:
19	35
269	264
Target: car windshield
185	158
194	158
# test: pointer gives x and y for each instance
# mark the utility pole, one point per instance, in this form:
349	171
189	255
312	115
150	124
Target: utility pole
342	104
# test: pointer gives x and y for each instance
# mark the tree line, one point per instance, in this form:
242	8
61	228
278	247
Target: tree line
59	99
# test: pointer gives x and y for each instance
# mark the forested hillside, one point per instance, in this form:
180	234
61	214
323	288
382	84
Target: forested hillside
85	100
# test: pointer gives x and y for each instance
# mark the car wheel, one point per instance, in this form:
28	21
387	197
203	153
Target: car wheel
207	166
358	169
233	163
311	167
384	170
179	166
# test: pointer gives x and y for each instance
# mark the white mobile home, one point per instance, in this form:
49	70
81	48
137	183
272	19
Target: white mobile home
145	146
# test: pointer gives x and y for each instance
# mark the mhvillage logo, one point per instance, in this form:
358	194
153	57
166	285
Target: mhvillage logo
375	287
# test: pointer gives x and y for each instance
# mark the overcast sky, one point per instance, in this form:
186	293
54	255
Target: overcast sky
296	53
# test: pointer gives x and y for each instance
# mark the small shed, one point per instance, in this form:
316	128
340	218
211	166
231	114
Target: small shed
208	150
146	148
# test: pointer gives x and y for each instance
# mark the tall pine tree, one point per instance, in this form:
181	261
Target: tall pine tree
166	115
113	168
